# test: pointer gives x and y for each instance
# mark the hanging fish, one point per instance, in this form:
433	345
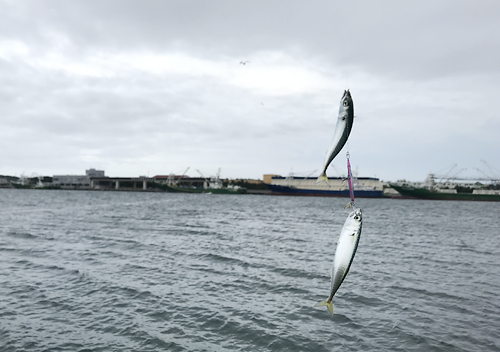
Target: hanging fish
342	131
344	254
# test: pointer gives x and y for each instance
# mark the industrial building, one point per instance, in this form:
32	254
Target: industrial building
76	181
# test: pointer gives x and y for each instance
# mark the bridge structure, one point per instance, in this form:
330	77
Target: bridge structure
121	183
142	183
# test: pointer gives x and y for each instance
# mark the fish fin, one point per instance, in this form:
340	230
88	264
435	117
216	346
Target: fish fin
350	204
322	178
327	303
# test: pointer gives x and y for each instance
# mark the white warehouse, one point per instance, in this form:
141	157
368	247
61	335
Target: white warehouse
76	181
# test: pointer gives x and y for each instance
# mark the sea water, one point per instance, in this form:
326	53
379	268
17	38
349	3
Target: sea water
133	271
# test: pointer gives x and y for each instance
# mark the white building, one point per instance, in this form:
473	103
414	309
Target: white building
94	173
76	181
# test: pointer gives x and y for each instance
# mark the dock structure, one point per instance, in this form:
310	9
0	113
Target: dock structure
96	180
121	183
143	183
182	181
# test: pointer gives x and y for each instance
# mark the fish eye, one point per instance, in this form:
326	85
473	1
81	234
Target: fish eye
356	217
346	103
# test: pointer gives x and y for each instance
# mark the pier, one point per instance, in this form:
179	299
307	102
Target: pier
121	183
143	183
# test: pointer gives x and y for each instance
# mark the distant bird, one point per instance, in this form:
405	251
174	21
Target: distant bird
244	62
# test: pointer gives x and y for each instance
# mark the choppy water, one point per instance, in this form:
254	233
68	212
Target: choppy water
118	271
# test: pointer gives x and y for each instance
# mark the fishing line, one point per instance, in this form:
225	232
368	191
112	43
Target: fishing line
349	177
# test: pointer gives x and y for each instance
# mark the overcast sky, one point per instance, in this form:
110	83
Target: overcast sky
153	87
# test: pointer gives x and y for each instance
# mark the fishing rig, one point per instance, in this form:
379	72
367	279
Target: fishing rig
349	179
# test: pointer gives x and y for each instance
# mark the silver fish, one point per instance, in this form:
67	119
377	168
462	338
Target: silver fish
344	254
342	131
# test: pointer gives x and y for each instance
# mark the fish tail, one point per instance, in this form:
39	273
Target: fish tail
327	303
322	178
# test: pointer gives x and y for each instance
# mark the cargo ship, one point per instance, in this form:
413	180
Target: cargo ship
437	191
364	187
292	191
443	194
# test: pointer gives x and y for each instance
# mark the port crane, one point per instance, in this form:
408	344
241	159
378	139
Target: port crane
214	181
493	178
171	178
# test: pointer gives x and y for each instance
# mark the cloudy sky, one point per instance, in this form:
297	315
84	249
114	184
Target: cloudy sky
153	87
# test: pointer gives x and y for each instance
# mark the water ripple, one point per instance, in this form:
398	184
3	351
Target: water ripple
118	271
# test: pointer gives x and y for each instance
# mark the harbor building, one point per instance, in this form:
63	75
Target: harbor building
76	181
